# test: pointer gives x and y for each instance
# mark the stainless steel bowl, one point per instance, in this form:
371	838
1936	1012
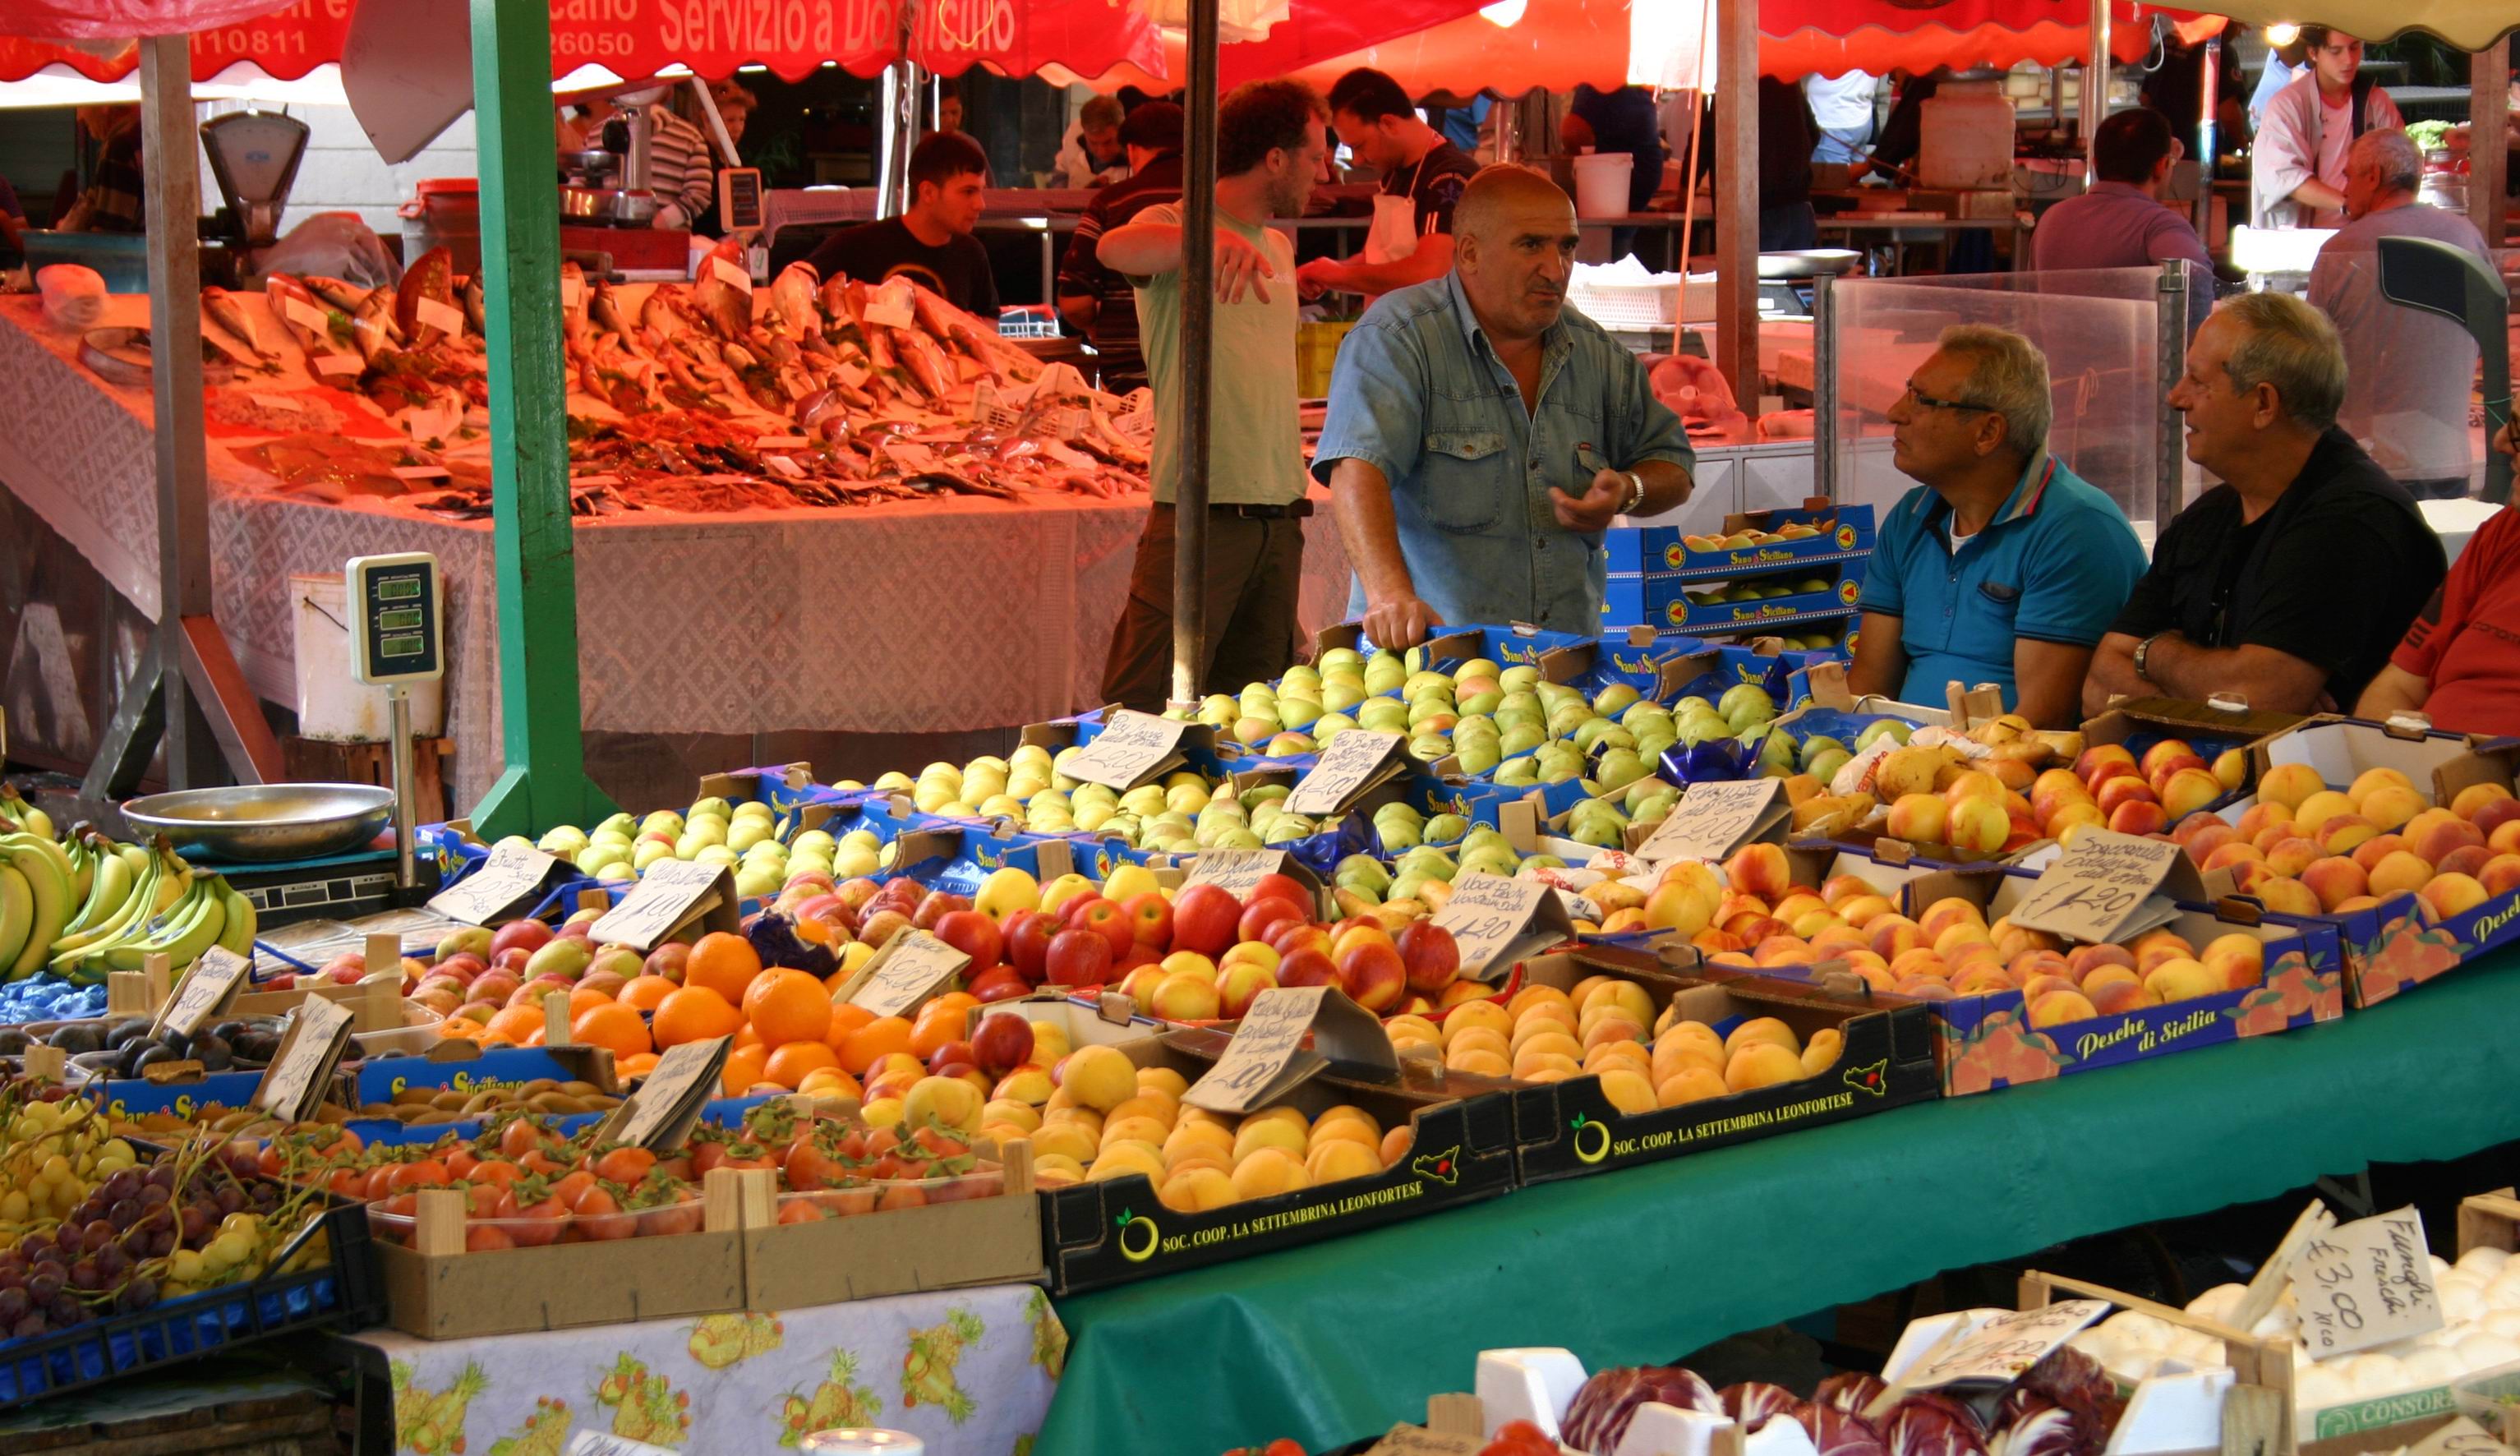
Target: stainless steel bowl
266	821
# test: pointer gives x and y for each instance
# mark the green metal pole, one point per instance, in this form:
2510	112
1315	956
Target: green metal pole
545	781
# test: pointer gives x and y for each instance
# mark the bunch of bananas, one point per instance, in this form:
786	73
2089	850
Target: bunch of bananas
141	902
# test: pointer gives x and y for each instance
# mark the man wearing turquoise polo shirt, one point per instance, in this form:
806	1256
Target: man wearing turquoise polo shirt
2002	566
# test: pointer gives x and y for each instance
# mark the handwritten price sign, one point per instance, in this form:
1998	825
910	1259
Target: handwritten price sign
2366	1283
1712	819
514	870
1267	1054
2104	888
682	1081
294	1086
1352	762
1132	746
211	983
670	892
1496	920
907	970
1999	1350
1238	872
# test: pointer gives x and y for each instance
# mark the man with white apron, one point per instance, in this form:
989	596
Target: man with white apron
2297	167
1411	240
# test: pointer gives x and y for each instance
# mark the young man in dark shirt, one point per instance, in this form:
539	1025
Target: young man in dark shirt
1090	296
2290	582
931	242
1423	177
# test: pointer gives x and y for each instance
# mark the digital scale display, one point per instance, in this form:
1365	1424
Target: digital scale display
396	618
401	620
740	203
402	647
399	589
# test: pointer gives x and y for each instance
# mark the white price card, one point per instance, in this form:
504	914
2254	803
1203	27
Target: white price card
339	363
1351	764
1267	1056
292	1086
2366	1283
1236	871
1497	921
1998	1350
909	968
671	894
306	314
1132	747
2108	885
1712	819
207	987
514	870
726	272
685	1077
444	317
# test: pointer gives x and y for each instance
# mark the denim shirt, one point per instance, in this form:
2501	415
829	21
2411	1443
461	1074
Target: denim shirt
1419	394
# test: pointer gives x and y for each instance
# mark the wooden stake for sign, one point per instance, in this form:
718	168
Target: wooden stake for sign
48	1063
732	1199
437	1223
545	780
556	1020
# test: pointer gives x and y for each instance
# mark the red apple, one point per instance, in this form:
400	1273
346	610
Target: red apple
952	1054
1429	954
1111	923
528	934
935	907
998	985
1265	913
1078	905
1204	920
1151	918
1283	887
856	892
1003	1043
972	933
1372	974
1139	953
1307	967
1078	958
1027	936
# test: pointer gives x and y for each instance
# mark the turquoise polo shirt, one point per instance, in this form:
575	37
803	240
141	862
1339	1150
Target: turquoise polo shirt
2054	565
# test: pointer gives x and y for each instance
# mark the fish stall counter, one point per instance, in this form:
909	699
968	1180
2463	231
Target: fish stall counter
929	591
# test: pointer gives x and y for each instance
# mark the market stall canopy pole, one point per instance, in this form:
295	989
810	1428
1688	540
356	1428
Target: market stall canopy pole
1736	198
544	782
1198	339
2489	127
2095	88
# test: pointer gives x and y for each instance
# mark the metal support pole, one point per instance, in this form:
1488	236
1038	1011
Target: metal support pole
2095	90
1199	337
2489	130
1824	421
544	782
898	132
2208	141
2170	355
1736	195
398	723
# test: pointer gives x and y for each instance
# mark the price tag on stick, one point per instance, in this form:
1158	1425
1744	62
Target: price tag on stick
2366	1283
1994	1351
292	1086
2106	886
670	895
1713	819
513	871
906	971
1236	871
1353	762
660	1114
1497	921
1131	747
1267	1056
207	987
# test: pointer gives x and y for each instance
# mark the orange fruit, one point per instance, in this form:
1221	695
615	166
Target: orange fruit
723	963
845	1019
645	993
743	1069
958	1001
745	1036
693	1014
874	1039
787	1006
462	1027
636	1064
617	1029
787	1065
584	999
938	1023
514	1023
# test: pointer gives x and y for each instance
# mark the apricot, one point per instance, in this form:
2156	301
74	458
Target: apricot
1332	1161
1822	1051
1692	1083
1195	1190
1762	1029
1762	1064
1269	1171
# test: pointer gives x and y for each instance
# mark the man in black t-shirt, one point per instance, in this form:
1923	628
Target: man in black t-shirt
931	243
1094	300
2290	582
1423	177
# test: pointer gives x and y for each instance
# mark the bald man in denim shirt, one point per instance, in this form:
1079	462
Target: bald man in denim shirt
1481	435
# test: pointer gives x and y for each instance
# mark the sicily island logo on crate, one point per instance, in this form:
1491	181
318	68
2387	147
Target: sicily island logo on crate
1141	1238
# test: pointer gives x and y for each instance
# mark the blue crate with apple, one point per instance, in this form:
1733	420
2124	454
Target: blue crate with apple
1748	543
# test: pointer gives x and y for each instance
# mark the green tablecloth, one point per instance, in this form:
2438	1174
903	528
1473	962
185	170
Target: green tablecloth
1338	1341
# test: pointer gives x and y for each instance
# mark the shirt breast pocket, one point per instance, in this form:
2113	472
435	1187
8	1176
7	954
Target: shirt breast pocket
1997	602
1465	472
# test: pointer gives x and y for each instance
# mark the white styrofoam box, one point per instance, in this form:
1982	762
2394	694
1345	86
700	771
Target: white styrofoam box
332	704
1531	1384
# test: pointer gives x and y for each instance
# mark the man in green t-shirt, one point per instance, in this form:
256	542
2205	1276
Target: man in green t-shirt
1270	146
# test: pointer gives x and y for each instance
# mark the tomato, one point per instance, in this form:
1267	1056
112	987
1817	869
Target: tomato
901	1195
571	1184
682	1215
268	1159
378	1181
744	1157
531	1225
461	1162
599	1214
521	1137
810	1167
427	1172
401	1206
677	1168
536	1161
483	1199
348	1183
798	1211
492	1170
485	1236
624	1166
706	1157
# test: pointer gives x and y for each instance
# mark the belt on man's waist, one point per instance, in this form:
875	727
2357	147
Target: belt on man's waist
1291	509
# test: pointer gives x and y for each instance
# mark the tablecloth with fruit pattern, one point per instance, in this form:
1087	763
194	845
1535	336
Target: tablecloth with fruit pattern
966	1371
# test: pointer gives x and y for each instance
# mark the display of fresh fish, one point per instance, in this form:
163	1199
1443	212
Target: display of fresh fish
425	308
224	310
792	297
722	291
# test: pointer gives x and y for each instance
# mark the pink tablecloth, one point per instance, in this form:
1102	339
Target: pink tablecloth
910	617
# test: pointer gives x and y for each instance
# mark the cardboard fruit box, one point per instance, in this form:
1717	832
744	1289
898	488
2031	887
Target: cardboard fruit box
1832	533
2403	941
1568	1128
1811	594
1100	1234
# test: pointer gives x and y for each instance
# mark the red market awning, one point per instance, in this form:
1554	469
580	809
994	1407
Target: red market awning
633	38
120	20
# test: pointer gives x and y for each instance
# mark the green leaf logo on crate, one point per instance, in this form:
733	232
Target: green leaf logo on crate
2406	952
1138	1237
1997	1050
1589	1148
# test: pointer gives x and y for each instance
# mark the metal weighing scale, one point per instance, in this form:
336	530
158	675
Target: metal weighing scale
397	638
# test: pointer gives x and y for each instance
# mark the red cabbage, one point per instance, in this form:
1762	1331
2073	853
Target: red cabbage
1930	1425
2068	1374
1851	1391
2032	1425
1838	1432
1601	1411
1753	1402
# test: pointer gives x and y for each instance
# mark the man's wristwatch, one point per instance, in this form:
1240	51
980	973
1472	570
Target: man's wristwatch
1636	495
2144	656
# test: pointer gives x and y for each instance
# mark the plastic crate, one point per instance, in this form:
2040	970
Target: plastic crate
350	1292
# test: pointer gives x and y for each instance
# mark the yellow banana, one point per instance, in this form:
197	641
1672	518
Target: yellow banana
114	885
191	928
44	867
134	910
17	913
238	933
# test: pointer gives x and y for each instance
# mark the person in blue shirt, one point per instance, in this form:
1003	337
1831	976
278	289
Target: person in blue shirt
1481	434
2003	565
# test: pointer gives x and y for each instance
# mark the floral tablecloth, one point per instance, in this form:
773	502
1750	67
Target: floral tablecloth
968	1371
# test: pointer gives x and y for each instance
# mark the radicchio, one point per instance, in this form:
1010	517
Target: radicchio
1850	1392
2072	1381
1753	1402
1838	1432
1601	1411
1930	1425
2032	1425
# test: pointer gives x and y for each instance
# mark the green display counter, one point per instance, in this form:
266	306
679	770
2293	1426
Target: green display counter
1339	1341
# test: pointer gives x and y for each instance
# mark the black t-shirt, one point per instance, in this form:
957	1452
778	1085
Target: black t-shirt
876	250
2332	573
1434	182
